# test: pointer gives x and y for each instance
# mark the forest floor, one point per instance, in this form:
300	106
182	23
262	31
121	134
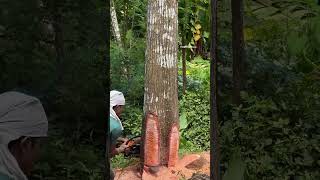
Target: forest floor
189	164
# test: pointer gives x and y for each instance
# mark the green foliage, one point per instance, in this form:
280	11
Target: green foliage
185	145
131	15
127	69
282	111
119	161
284	148
303	45
199	69
132	120
281	9
183	123
236	168
196	108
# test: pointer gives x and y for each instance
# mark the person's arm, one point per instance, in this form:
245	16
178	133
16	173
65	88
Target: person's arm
122	139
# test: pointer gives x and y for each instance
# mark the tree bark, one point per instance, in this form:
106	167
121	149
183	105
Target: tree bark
114	22
161	86
238	49
214	149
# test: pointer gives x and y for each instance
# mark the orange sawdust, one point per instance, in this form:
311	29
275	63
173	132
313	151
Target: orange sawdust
186	166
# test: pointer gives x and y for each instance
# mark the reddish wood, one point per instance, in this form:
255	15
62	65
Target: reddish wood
152	141
173	146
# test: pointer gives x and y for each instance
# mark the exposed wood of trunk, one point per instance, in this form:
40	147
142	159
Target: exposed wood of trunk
161	86
238	48
214	149
114	22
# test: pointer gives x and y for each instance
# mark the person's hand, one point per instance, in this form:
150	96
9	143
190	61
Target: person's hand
122	148
123	140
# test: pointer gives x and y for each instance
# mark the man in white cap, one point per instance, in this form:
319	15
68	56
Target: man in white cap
117	103
23	123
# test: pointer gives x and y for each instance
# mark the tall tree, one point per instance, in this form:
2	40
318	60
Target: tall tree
214	149
161	86
238	48
114	23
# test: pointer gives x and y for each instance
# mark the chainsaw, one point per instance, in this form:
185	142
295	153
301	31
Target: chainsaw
133	148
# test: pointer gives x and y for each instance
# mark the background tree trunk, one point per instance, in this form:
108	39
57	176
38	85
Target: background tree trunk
238	48
161	86
184	66
214	148
57	19
114	23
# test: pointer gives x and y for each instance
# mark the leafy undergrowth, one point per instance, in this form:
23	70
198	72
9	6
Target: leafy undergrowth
120	161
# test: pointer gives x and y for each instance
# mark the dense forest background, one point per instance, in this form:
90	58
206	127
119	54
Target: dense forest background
55	50
274	128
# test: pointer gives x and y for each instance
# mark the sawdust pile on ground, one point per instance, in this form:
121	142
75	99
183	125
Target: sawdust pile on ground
191	166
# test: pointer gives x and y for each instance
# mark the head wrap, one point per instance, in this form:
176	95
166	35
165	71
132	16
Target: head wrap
20	115
116	99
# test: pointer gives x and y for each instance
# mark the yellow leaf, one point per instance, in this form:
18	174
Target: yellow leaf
197	26
197	31
248	34
196	37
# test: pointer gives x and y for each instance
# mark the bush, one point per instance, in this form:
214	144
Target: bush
132	120
274	143
196	108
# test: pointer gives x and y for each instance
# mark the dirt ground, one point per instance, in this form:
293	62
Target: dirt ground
186	166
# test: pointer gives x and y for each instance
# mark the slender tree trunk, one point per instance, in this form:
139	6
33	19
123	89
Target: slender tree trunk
161	86
184	67
58	37
114	22
214	149
238	48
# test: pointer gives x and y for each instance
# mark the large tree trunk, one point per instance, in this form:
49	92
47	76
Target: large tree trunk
238	48
114	23
161	86
214	149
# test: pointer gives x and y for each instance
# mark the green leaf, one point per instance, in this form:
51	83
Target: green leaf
300	13
129	35
266	12
296	44
317	29
183	121
206	34
236	169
